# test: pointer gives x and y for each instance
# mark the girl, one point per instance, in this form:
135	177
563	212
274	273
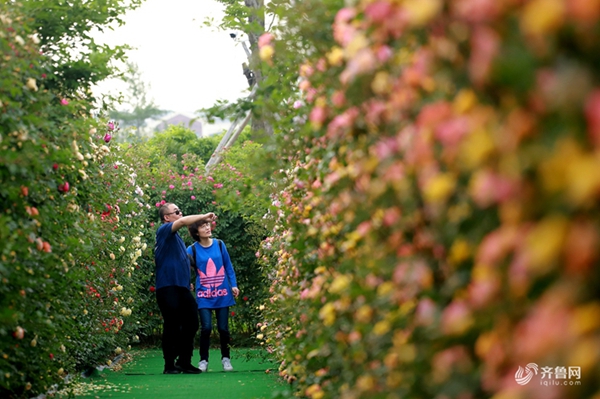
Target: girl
216	289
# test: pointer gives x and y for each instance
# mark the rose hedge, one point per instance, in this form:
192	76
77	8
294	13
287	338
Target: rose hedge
77	227
440	221
69	240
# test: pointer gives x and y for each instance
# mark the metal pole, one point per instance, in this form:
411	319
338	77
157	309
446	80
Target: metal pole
216	156
226	140
246	50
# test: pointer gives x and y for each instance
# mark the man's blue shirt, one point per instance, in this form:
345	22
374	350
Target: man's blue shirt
172	263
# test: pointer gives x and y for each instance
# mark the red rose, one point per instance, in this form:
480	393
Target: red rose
19	333
63	188
152	289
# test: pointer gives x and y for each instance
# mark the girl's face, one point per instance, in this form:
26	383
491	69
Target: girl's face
205	230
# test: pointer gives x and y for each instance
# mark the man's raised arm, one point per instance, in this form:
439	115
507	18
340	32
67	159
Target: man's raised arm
191	219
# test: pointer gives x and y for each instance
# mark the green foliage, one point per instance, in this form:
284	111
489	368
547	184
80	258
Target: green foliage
177	141
77	229
64	191
61	27
173	144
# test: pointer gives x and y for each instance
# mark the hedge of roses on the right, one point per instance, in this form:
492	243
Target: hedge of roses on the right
439	230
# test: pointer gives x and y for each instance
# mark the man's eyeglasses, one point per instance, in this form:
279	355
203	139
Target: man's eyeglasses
177	212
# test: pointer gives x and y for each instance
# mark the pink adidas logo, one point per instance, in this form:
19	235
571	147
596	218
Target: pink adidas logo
212	278
213	293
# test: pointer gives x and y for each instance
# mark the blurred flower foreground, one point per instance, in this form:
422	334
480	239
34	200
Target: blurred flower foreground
438	234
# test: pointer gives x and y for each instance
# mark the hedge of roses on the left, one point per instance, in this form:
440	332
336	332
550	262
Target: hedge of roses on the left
70	236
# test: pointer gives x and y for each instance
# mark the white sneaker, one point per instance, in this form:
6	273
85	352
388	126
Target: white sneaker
226	364
203	365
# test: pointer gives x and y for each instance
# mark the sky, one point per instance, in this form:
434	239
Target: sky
187	65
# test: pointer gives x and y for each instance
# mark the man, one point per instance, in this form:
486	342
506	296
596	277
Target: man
177	304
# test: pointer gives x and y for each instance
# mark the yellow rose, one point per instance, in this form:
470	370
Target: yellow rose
335	56
422	11
439	188
266	53
31	84
327	314
542	16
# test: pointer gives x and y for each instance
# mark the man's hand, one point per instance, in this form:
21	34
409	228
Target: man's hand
235	291
211	215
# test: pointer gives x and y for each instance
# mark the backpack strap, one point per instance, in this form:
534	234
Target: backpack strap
220	248
194	251
193	263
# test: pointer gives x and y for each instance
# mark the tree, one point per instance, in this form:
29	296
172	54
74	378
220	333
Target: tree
138	108
62	27
247	16
177	141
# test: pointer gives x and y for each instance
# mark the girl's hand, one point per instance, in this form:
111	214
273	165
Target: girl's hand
235	291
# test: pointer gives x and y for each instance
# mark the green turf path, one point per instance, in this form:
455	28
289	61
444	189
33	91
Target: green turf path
142	378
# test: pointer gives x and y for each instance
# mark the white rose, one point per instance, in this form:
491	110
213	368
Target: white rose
31	84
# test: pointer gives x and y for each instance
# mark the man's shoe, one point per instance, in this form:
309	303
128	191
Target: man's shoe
226	364
171	370
203	366
188	369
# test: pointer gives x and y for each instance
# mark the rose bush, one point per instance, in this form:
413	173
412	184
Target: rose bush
70	238
438	211
75	264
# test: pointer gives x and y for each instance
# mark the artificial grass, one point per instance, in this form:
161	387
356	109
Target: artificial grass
142	378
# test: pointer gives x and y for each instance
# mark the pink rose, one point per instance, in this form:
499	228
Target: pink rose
265	39
592	116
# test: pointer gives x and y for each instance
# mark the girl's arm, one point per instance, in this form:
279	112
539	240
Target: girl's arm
229	270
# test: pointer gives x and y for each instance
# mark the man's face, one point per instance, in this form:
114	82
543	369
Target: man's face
173	214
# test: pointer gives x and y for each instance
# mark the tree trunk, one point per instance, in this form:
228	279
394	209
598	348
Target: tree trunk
261	128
